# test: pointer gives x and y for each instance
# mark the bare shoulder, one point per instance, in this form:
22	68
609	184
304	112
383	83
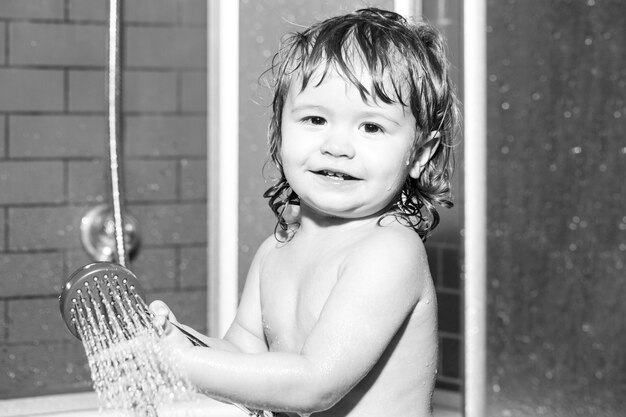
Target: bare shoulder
268	245
393	242
393	255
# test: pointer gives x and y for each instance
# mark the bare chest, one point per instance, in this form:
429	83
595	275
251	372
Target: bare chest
294	287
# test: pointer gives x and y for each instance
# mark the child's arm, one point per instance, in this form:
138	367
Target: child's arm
375	293
245	333
164	318
246	330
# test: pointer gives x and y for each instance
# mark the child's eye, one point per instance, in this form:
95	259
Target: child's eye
314	120
372	128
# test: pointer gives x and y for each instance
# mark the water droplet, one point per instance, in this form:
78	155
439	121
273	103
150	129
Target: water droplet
129	363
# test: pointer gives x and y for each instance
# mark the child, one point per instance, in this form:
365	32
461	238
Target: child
338	315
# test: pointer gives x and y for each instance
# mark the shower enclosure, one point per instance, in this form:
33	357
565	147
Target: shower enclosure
551	279
54	166
545	322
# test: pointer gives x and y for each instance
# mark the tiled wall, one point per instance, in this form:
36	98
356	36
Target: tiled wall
53	168
444	259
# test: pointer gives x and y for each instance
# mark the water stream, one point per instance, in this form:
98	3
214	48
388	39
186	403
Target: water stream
130	365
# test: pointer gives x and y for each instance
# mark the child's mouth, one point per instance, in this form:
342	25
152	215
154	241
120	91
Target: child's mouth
340	176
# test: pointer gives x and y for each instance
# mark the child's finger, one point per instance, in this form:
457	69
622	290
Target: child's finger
162	323
159	308
162	316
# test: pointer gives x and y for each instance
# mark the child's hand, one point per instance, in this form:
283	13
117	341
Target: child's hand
162	315
163	319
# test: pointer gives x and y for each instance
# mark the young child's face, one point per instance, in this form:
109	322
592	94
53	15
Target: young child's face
345	157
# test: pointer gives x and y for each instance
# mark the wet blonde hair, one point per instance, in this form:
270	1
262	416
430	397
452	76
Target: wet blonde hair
408	65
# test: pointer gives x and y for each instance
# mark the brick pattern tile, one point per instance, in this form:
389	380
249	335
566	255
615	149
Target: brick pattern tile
54	168
444	260
36	320
194	85
87	90
2	42
55	44
3	235
193	11
193	179
54	368
87	181
151	180
146	91
165	136
31	90
44	228
32	9
168	224
35	182
154	11
164	47
43	136
3	322
193	267
3	137
80	10
156	268
30	274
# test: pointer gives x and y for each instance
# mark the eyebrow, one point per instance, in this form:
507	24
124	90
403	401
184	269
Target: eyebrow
305	106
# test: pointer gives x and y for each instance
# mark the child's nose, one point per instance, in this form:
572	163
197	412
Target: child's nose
338	144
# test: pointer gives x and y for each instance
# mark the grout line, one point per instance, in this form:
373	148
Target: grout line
7	133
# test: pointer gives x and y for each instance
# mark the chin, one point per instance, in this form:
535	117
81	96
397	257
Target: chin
345	213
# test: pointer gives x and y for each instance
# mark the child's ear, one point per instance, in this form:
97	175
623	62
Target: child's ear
424	153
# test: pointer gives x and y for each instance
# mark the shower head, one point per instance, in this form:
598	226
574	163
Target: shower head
130	367
96	285
103	302
107	294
